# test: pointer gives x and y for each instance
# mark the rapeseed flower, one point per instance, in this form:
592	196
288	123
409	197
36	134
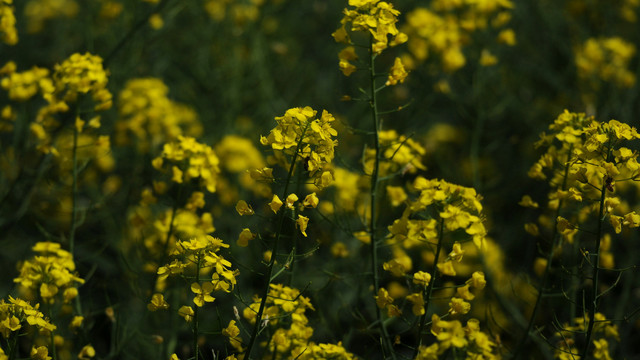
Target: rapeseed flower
48	272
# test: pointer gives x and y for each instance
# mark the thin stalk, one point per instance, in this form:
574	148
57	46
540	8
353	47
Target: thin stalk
74	190
11	346
74	203
429	289
375	117
547	269
593	306
195	312
274	249
295	236
54	354
165	246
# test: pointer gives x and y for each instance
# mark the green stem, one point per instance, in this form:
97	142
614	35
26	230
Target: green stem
274	249
429	289
54	354
74	190
74	203
164	256
547	269
13	347
375	117
195	313
593	306
295	234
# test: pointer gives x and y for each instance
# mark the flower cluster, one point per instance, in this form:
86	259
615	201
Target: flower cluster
374	17
604	329
605	60
586	159
285	316
152	230
8	33
458	207
588	167
38	12
398	153
305	138
187	160
203	253
17	313
51	272
239	156
326	351
82	74
22	86
467	340
149	117
446	27
241	13
377	19
73	78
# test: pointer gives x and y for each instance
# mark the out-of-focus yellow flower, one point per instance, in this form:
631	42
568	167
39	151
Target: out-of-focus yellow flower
244	237
157	303
397	73
243	208
87	352
187	313
156	22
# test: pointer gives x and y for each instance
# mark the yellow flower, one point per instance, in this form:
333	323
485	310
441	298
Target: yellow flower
383	299
507	36
87	352
202	293
41	353
532	229
421	278
157	303
457	252
244	237
311	201
528	202
396	195
76	322
487	58
231	330
156	22
601	351
243	208
446	268
290	200
339	250
563	225
539	266
347	55
458	306
397	73
187	313
464	293
418	303
302	223
275	204
477	280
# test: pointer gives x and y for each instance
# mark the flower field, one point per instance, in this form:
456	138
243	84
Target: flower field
344	179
